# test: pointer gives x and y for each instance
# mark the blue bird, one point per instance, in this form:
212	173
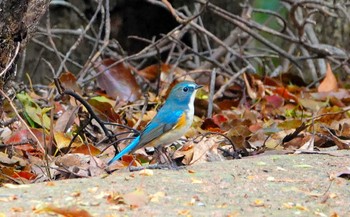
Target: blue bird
171	122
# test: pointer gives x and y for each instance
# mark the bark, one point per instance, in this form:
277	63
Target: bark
18	19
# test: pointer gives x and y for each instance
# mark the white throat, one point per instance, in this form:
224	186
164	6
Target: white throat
191	104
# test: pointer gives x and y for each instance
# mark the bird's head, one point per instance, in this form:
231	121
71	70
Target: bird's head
183	93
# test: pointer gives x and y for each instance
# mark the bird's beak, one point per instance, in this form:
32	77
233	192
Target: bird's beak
198	86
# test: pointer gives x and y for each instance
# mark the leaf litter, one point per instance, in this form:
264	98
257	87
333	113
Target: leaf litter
267	115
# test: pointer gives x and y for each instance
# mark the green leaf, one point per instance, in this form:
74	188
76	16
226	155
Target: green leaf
32	111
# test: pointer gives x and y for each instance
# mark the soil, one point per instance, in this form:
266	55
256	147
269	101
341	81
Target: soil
265	185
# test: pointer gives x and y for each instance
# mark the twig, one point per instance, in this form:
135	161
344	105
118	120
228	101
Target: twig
242	25
107	23
57	52
23	60
89	109
222	89
77	42
135	56
11	61
75	9
211	93
18	143
143	111
53	45
173	12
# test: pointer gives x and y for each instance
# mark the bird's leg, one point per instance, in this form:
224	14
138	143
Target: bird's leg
130	164
164	159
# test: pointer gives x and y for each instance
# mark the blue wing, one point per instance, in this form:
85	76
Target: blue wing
161	123
164	121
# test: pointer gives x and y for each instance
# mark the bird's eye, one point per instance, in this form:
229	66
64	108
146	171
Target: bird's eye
185	89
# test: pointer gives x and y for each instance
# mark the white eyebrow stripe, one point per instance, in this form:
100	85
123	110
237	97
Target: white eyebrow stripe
192	85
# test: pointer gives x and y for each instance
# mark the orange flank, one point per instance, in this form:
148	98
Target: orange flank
182	122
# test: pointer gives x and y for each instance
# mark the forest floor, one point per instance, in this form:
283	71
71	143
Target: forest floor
265	185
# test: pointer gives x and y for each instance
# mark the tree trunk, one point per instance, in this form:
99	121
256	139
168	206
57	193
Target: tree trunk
18	19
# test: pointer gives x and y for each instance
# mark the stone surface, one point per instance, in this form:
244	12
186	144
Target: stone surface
265	185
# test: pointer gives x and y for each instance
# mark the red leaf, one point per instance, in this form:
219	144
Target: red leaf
25	175
22	136
283	92
219	119
275	100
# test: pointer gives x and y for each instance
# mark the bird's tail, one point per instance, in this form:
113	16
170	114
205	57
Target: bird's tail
131	147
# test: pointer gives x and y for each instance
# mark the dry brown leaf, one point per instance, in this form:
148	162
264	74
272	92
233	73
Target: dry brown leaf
69	81
66	211
329	83
151	72
252	94
341	141
63	141
66	120
117	80
308	146
206	150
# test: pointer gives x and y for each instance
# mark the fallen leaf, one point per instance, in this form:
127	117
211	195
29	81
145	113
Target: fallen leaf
5	160
308	146
12	186
184	212
69	81
115	198
146	172
255	88
33	113
72	160
155	198
87	149
105	108
283	92
274	100
151	72
258	203
66	120
210	125
341	94
290	124
196	181
117	80
25	137
329	83
66	211
63	141
312	104
341	141
25	175
186	152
